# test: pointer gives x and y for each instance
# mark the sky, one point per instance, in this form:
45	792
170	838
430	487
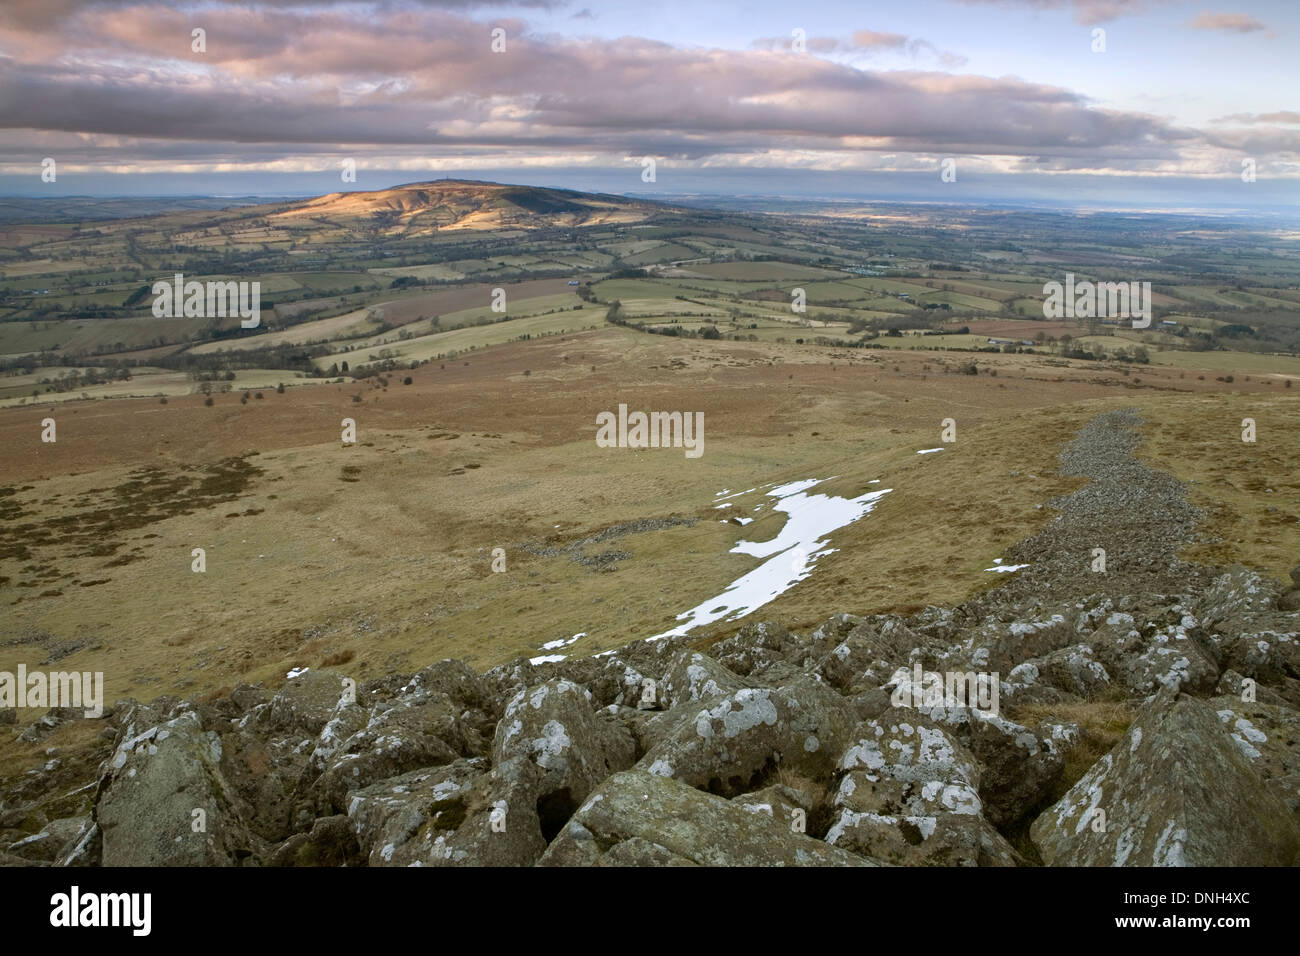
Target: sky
1130	103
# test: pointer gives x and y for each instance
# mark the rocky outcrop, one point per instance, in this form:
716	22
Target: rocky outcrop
643	819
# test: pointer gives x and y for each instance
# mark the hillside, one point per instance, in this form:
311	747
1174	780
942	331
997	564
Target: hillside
451	204
1145	720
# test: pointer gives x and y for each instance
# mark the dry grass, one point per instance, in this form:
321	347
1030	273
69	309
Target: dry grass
1101	725
394	566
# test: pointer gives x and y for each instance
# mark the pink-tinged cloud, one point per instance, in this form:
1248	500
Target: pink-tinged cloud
1086	12
863	41
1227	22
1286	117
403	80
871	40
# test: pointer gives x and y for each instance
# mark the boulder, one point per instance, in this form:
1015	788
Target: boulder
789	804
417	730
1268	735
414	808
303	705
1019	641
694	677
1269	656
1020	765
554	726
1075	670
1175	791
737	743
330	842
452	816
54	839
1237	592
1172	659
642	819
759	647
153	785
264	772
909	795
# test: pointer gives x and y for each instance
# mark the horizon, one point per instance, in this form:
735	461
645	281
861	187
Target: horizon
1065	103
903	191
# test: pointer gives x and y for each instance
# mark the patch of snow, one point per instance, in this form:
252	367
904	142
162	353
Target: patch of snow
791	555
562	642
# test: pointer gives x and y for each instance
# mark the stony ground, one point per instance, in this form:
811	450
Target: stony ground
1147	713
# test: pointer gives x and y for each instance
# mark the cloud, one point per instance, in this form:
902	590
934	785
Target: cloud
1227	22
863	41
1086	12
396	84
871	40
1288	117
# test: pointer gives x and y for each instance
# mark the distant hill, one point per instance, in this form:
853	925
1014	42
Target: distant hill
411	209
450	204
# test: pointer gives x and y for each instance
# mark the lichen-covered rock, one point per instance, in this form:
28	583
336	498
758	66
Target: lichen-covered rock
1265	654
1021	640
1019	765
303	705
417	730
397	822
459	815
154	783
1232	684
330	842
865	657
1172	660
909	794
454	680
1236	592
554	726
1076	670
694	677
1175	791
788	804
54	839
1268	735
637	818
264	772
765	652
84	849
736	743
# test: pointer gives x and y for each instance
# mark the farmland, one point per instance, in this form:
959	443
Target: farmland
473	346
